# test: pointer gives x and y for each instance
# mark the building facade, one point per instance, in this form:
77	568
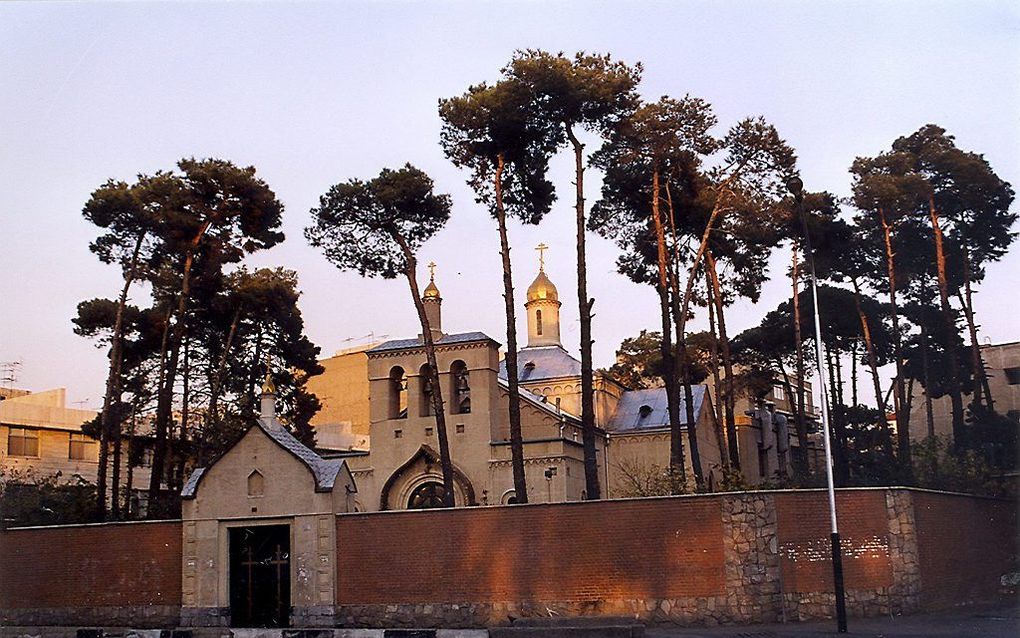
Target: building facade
397	466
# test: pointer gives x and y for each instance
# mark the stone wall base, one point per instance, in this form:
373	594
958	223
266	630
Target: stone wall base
140	616
205	616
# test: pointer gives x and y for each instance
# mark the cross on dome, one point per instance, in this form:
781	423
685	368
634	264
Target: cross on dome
541	248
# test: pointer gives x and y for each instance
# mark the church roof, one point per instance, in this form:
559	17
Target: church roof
325	471
536	401
445	340
630	416
543	362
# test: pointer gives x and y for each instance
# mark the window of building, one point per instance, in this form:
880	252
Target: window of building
428	431
778	393
398	434
80	447
461	385
460	428
538	322
256	484
397	400
1013	376
425	381
22	442
427	496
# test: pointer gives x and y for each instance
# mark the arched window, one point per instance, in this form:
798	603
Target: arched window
538	322
426	496
397	407
460	380
427	390
256	484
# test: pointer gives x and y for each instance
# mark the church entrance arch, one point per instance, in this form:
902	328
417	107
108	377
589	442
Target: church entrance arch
260	576
419	480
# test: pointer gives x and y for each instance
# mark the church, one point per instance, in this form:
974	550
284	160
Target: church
396	466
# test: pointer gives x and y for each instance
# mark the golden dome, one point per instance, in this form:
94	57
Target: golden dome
431	291
542	288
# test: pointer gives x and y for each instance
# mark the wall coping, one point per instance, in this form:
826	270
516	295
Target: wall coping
103	524
876	488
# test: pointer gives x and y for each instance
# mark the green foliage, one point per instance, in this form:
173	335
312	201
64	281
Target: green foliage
497	123
939	467
28	498
639	479
357	224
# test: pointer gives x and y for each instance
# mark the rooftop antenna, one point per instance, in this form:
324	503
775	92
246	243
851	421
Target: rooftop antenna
9	372
81	404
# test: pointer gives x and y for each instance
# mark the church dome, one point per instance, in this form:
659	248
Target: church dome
542	288
431	291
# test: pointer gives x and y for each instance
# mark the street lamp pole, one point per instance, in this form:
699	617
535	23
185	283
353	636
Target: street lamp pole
796	186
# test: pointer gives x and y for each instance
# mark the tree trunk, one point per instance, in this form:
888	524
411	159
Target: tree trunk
113	379
728	394
959	434
902	418
838	431
513	380
982	390
591	464
115	479
800	422
216	385
718	416
928	413
676	444
873	365
680	368
432	374
164	406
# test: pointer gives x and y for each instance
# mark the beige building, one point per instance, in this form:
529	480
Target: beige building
41	436
400	468
1002	364
259	531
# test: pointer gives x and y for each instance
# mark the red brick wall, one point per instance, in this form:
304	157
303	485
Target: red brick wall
661	548
805	547
964	546
91	566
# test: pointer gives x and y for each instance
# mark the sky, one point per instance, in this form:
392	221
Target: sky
313	94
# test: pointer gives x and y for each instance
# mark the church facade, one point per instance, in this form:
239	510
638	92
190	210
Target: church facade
401	470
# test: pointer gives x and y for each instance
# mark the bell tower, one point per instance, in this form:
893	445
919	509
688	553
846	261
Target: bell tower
433	304
543	307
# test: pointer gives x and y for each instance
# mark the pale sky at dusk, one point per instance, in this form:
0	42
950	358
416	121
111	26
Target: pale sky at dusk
315	93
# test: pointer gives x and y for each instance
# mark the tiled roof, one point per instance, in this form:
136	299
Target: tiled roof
325	471
545	362
629	415
445	340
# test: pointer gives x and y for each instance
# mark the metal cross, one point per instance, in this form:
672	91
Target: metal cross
432	270
541	248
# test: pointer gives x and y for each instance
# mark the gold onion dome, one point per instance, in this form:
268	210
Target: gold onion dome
542	288
431	291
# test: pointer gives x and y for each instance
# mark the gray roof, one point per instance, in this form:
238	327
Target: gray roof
445	340
544	362
629	417
323	470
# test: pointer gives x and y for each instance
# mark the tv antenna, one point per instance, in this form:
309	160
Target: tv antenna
9	371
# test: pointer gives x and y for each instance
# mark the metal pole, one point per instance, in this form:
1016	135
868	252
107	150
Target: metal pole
796	187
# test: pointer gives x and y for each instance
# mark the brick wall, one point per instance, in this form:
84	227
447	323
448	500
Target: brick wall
92	572
964	545
661	548
805	556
